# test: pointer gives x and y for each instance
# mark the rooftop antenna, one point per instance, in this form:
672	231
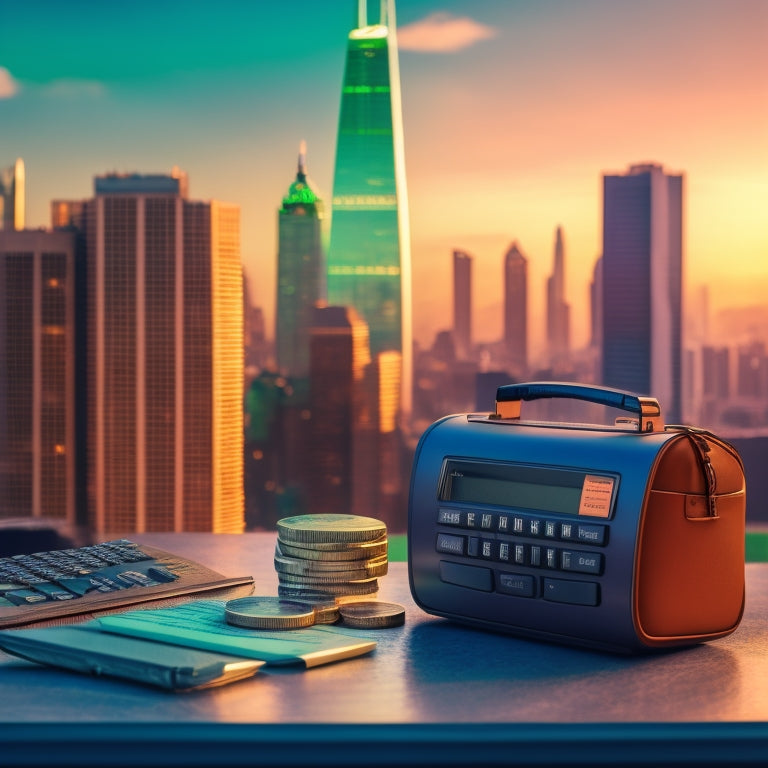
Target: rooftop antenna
302	158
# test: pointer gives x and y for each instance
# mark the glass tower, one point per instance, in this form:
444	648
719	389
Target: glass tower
300	277
642	285
369	264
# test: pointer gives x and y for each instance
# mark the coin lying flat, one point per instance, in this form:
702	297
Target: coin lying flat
268	613
296	589
371	614
330	528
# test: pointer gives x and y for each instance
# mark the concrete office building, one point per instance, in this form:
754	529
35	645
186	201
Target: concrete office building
642	285
515	330
12	196
369	261
300	272
462	303
164	358
37	375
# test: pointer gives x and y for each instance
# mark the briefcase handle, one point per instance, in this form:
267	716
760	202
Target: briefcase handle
645	409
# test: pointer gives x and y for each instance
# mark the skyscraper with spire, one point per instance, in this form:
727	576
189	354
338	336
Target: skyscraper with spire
369	262
300	274
558	310
516	310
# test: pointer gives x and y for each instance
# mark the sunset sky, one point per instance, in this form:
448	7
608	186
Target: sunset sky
513	109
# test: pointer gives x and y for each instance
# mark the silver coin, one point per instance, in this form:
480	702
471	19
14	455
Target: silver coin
371	614
331	528
268	613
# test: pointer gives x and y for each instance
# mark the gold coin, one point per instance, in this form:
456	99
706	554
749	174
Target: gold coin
291	589
371	614
321	580
335	551
268	613
332	528
365	569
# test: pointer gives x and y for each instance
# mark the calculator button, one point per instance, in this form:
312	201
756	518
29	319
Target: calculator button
486	549
473	546
25	597
518	584
448	517
450	545
487	521
567	531
581	562
573	592
471	576
505	525
591	534
472	520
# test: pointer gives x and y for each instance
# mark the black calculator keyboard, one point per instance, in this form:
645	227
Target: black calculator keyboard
97	577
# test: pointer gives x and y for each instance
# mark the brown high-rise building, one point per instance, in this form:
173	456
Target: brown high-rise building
164	358
516	310
37	375
340	407
462	303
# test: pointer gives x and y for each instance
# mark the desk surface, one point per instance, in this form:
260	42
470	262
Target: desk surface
432	692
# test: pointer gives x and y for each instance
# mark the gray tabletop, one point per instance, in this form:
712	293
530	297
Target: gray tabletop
432	692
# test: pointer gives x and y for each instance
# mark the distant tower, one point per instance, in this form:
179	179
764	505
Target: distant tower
300	275
165	358
342	464
642	285
558	310
12	196
369	258
596	306
516	310
37	375
462	303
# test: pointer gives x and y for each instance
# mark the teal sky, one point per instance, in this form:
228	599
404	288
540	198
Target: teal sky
512	110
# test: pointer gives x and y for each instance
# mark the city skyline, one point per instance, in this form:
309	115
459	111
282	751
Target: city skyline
512	112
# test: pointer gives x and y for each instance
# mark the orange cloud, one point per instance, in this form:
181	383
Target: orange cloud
8	86
442	33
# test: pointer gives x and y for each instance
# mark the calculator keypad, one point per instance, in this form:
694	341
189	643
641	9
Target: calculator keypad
526	555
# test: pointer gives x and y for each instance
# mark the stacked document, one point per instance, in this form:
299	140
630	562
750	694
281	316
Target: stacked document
183	647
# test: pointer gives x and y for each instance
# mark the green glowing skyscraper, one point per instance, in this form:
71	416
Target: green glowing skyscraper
369	260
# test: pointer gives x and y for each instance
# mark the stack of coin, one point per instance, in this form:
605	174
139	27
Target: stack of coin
335	555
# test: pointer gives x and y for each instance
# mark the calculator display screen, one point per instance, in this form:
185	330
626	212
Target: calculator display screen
542	489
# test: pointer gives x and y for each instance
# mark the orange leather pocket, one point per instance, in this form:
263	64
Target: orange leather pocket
690	564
